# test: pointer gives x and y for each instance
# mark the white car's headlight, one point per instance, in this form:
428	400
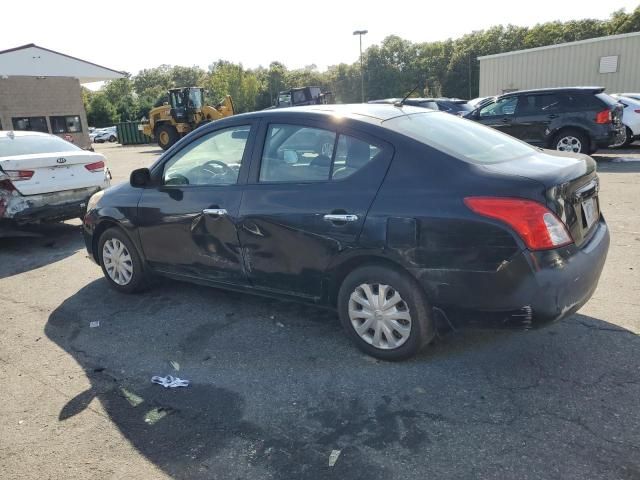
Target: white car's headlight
93	201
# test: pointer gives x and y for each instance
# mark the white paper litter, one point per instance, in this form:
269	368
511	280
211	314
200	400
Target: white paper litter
169	381
333	458
94	324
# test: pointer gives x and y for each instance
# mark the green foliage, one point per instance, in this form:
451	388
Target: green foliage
391	69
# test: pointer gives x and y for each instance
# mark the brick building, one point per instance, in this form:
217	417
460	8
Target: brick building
40	90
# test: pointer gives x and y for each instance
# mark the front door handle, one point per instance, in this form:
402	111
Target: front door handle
336	217
214	212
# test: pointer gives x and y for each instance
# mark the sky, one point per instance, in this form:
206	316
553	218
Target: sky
132	35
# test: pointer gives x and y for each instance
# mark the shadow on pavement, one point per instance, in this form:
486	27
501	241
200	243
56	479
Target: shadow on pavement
42	245
276	387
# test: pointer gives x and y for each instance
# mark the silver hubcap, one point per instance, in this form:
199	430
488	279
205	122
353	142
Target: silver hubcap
379	316
569	144
117	261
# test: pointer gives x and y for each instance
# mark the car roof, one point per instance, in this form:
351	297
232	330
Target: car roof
22	133
368	112
556	89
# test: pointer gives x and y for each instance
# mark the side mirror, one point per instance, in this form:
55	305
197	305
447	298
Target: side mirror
140	178
290	156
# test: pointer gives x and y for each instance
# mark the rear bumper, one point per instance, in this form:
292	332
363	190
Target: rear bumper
55	206
532	289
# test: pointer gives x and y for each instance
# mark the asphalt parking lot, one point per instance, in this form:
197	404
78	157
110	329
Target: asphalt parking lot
276	387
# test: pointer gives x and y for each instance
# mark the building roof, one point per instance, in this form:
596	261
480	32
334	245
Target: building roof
561	45
34	61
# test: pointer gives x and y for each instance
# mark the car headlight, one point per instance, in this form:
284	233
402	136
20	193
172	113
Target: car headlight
93	201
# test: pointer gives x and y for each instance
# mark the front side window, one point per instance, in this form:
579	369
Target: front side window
65	124
33	124
212	159
293	153
502	107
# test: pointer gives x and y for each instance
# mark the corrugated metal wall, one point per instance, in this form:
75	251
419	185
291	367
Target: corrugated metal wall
562	66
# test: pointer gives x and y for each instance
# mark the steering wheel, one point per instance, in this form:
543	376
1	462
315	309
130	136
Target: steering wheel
218	165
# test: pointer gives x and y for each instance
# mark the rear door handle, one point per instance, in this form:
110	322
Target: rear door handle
214	212
335	217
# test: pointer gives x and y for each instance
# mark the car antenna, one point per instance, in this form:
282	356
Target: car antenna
401	102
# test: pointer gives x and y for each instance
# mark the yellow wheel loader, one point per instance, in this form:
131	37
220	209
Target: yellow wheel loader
184	112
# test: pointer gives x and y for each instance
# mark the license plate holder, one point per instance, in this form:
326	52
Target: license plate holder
590	211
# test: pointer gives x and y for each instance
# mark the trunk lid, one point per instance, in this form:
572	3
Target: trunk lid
54	172
569	183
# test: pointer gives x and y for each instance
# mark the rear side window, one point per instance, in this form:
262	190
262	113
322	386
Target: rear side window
460	138
33	144
538	104
294	153
578	102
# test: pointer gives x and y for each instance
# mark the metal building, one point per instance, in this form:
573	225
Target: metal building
612	62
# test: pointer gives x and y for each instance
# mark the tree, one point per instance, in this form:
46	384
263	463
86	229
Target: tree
101	111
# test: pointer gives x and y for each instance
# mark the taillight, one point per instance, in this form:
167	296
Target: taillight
637	111
539	228
604	116
95	167
19	175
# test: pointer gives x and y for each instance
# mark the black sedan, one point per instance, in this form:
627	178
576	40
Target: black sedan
394	216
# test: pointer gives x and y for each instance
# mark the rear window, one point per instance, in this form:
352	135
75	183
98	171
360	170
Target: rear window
581	102
464	139
33	144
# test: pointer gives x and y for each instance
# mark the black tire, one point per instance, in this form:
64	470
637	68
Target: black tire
112	138
140	278
585	141
628	140
166	135
422	326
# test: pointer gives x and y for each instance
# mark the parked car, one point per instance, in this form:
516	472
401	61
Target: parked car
475	102
630	118
109	134
416	214
578	119
634	96
46	178
455	106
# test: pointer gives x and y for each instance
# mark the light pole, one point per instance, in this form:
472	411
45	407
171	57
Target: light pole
360	33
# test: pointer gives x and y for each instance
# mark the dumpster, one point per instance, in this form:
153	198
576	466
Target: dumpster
130	134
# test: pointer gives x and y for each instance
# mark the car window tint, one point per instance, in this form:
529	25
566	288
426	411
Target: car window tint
463	139
33	144
538	104
213	159
504	106
351	155
578	102
293	153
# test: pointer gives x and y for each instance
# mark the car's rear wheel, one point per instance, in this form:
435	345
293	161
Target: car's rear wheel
121	264
573	141
628	138
385	312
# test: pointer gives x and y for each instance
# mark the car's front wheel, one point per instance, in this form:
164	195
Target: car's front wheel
121	264
385	312
112	138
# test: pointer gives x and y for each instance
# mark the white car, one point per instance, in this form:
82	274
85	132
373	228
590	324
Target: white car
46	178
109	134
630	117
634	96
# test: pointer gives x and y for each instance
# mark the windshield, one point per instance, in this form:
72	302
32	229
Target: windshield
463	139
195	98
30	144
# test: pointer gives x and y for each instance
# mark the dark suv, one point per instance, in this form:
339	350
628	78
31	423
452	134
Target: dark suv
577	119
